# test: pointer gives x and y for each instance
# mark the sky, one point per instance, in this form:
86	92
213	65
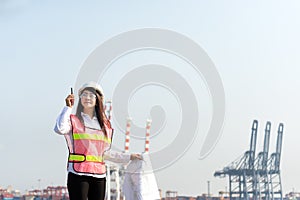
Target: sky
254	46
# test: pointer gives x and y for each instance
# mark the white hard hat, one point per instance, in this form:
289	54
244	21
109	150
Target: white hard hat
91	84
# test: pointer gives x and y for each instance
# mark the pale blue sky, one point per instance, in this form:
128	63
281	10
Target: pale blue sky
43	44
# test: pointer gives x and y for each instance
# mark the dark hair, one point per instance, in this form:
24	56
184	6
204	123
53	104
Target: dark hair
99	110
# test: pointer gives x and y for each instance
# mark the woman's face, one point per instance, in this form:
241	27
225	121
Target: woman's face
88	99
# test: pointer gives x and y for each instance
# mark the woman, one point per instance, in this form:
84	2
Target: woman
89	135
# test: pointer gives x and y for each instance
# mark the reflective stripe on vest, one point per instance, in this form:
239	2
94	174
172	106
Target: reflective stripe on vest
81	158
87	136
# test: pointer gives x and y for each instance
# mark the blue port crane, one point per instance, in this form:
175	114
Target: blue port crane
258	177
242	170
261	166
274	167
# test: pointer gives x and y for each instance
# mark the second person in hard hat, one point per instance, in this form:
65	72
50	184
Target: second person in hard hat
88	134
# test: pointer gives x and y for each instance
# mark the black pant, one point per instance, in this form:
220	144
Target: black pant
86	187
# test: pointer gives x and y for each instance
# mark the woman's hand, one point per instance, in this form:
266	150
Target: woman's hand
136	157
70	100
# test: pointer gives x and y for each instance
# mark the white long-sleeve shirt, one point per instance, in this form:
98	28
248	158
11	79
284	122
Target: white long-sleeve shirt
63	126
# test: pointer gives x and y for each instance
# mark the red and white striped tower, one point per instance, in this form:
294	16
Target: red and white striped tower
127	135
108	109
147	139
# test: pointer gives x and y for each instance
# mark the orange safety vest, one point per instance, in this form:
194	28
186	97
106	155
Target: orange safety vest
87	147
